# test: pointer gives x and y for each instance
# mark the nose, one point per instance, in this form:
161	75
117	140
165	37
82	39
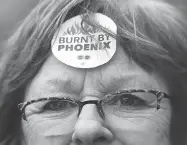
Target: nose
90	128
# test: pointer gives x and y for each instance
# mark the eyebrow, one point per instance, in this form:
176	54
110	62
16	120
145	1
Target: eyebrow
127	82
60	84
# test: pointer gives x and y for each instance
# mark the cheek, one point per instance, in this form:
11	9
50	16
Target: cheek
45	132
149	129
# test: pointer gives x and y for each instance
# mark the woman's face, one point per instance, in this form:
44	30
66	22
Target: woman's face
132	127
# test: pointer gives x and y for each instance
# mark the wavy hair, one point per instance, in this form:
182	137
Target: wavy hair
153	33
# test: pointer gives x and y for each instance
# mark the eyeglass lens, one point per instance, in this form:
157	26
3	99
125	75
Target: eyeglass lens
64	113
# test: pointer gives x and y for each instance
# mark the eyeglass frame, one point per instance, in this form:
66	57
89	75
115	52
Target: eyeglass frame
160	95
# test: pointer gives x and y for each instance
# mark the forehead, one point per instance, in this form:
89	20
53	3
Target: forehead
119	73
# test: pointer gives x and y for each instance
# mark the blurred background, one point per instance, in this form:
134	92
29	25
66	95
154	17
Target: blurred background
12	12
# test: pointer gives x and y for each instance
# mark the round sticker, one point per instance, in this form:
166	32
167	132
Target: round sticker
84	46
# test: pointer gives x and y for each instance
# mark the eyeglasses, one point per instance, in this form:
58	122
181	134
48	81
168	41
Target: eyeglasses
119	104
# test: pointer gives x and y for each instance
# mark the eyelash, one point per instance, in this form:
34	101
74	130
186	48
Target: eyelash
58	104
130	97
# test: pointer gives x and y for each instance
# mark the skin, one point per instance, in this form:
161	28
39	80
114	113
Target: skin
90	84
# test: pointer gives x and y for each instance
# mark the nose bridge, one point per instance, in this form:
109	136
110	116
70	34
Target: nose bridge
97	104
89	111
90	127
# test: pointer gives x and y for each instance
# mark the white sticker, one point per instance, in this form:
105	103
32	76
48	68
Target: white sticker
77	48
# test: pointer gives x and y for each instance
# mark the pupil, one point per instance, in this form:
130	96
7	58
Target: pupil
58	105
127	100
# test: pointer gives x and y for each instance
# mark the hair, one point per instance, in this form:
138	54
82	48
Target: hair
153	33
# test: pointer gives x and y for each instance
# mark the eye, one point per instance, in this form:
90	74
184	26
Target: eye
124	103
58	105
127	101
130	100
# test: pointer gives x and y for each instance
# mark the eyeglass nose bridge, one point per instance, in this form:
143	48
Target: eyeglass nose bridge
96	102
